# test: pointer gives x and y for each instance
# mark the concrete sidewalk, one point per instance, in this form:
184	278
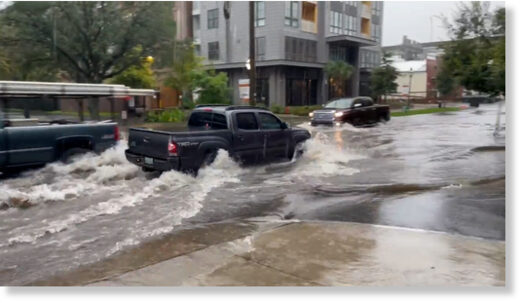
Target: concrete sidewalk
331	254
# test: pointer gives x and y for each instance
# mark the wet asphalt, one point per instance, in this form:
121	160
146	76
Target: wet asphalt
439	172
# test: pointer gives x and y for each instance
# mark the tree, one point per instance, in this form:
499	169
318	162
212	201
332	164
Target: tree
338	72
212	87
186	66
383	78
475	56
137	76
89	41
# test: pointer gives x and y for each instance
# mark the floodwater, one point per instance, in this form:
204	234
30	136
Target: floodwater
441	172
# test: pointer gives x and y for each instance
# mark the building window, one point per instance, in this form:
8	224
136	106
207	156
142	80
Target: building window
260	48
213	18
335	22
213	51
350	24
197	49
300	49
259	13
291	13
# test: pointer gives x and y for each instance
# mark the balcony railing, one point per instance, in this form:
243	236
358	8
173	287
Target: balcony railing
308	26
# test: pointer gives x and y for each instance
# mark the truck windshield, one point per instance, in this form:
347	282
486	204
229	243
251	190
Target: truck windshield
340	103
207	120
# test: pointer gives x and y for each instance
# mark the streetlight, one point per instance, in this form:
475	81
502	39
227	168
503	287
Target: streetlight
248	64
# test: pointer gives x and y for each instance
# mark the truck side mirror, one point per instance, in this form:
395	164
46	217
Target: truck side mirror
284	125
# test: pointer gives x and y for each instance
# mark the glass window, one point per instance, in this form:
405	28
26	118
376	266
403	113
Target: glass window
340	103
213	18
200	119
291	13
260	47
246	121
269	121
335	22
213	51
219	121
259	13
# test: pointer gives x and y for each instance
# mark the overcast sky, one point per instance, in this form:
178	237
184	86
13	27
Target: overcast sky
416	19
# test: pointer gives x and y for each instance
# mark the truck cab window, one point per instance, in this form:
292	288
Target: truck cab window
269	121
246	121
200	120
219	122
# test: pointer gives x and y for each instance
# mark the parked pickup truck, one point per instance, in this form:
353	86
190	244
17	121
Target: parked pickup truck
29	142
356	111
249	134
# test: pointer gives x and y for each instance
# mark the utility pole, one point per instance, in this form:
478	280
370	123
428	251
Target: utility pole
252	71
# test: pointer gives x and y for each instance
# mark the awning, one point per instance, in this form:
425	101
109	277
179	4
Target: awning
28	88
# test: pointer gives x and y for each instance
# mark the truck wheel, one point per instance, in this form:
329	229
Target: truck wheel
209	157
298	150
71	153
385	117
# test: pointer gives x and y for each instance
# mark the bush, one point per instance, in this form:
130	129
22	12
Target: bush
169	115
277	109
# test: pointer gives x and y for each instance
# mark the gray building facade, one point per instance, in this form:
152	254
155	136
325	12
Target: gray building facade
294	41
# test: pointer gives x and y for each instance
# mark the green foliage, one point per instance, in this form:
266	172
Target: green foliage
475	58
338	72
425	111
383	78
185	68
212	87
169	115
86	41
137	76
277	109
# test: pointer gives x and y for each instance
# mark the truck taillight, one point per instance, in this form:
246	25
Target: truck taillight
172	148
117	136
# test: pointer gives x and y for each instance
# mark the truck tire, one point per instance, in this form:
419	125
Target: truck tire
68	155
147	169
209	157
385	117
298	150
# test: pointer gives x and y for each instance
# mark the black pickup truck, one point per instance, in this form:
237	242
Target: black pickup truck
249	134
356	111
29	142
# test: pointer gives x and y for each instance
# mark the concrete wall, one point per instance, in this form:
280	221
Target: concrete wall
418	87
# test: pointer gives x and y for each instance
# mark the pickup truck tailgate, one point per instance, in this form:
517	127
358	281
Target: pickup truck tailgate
149	143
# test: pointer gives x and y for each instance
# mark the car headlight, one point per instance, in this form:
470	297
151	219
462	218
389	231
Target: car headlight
338	114
311	114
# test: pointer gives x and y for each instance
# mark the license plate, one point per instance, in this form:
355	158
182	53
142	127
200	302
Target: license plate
148	160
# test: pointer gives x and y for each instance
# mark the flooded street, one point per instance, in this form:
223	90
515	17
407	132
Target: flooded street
438	172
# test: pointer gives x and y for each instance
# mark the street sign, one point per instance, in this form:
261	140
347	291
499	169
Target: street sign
243	90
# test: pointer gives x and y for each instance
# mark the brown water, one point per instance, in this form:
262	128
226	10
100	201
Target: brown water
442	172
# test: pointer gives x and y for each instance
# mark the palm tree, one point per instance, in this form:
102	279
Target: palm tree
338	72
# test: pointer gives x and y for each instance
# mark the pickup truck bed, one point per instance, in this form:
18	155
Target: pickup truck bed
250	135
30	143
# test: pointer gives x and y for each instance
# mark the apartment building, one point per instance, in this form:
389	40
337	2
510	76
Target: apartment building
294	41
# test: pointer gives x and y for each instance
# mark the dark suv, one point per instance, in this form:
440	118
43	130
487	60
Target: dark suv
356	111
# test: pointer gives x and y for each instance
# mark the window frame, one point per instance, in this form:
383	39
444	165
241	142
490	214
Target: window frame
260	114
247	129
212	18
291	14
259	20
212	51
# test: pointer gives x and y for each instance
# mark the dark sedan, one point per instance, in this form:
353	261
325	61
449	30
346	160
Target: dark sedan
356	111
